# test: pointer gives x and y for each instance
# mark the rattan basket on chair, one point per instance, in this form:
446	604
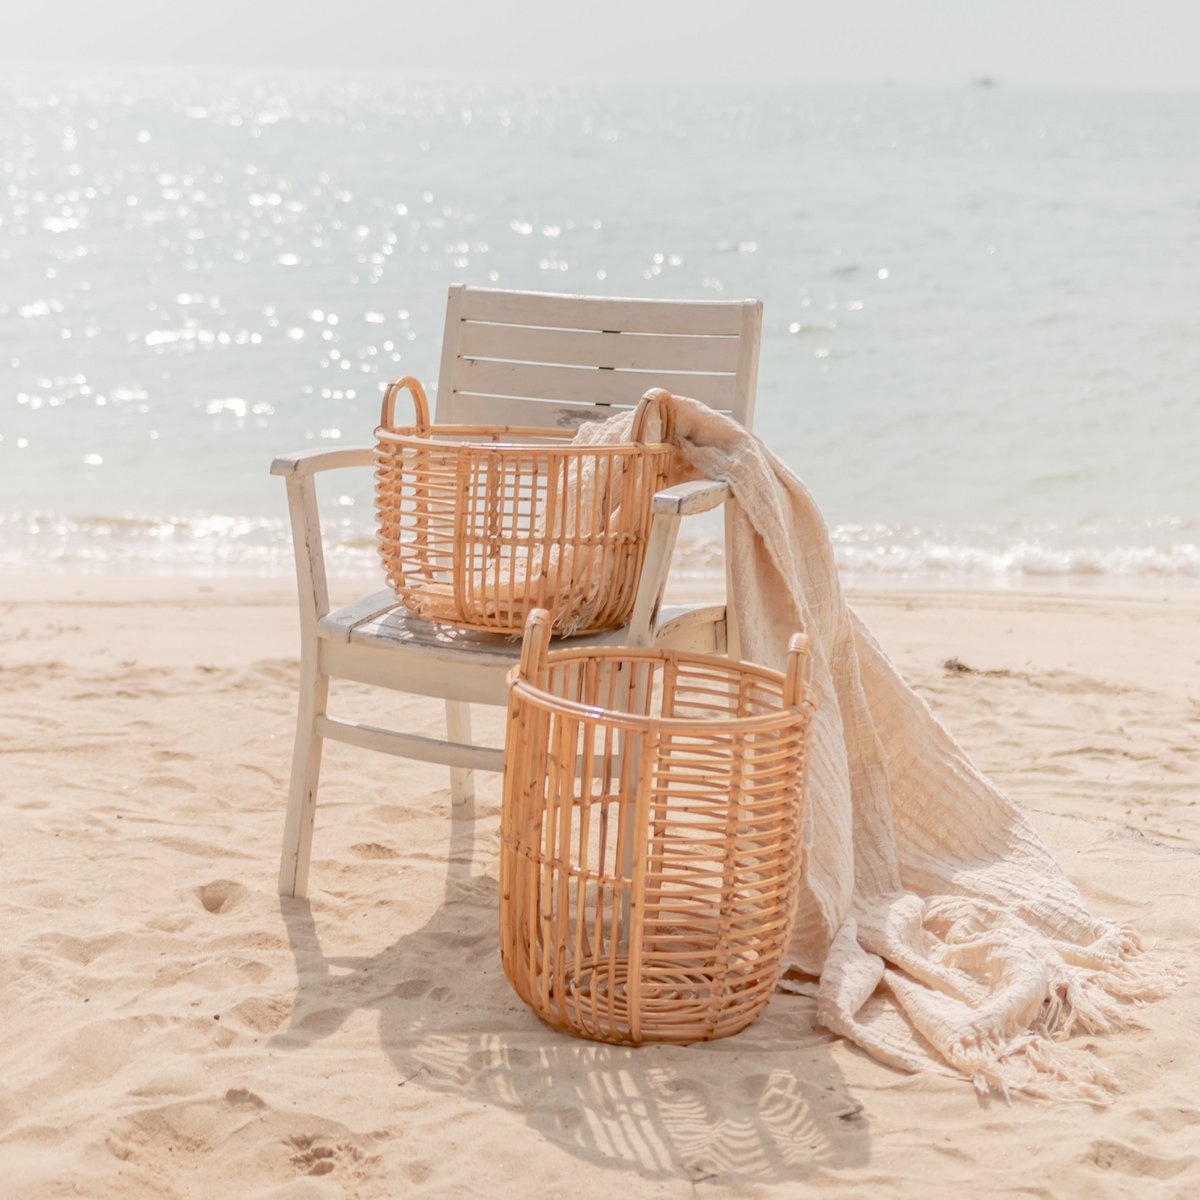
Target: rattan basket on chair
649	837
479	525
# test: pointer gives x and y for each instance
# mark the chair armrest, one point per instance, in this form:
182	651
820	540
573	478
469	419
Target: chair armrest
309	462
669	506
298	471
696	496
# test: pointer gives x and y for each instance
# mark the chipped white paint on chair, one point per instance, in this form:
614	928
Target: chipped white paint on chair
508	358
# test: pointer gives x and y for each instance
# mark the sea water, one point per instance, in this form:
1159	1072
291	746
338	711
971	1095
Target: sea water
980	304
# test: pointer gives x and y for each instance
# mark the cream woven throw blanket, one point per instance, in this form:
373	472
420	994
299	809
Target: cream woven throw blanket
942	934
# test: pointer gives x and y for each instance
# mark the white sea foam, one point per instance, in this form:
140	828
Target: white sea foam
221	544
960	558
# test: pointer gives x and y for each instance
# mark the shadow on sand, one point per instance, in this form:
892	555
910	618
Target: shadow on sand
768	1105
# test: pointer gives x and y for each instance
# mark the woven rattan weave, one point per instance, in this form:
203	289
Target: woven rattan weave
479	525
649	837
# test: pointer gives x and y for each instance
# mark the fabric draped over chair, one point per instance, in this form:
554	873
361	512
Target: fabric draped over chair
943	934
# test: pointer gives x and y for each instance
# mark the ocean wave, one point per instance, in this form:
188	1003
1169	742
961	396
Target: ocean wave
195	545
954	562
1164	551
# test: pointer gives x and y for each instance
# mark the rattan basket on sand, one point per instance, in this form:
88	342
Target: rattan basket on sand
479	525
649	837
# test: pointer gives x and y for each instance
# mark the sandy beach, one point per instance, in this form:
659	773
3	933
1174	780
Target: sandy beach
172	1029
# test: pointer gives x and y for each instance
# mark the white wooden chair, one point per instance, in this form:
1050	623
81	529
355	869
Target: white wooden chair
508	358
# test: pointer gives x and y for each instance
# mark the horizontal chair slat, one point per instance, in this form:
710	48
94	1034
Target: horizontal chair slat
586	385
513	410
581	312
409	745
570	347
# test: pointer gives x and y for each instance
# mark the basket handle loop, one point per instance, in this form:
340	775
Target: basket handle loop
387	419
534	647
655	400
796	677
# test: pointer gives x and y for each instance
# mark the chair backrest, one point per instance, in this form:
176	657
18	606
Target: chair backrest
547	361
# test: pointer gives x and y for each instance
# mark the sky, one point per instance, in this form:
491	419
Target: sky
1077	44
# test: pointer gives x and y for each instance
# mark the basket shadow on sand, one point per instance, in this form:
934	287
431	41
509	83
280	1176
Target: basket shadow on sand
767	1105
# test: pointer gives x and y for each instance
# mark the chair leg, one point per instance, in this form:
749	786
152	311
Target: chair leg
302	793
462	779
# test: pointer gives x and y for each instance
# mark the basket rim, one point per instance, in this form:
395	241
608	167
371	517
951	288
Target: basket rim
458	437
782	716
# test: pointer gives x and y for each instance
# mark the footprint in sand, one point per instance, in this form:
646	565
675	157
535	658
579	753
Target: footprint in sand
322	1022
412	989
1173	1120
221	896
242	1098
83	950
262	1014
1115	1156
374	850
160	779
254	970
315	1158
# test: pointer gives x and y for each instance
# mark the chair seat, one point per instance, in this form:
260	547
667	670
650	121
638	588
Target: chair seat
380	620
464	664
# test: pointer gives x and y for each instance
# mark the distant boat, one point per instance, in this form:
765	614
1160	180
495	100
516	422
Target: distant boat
985	81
